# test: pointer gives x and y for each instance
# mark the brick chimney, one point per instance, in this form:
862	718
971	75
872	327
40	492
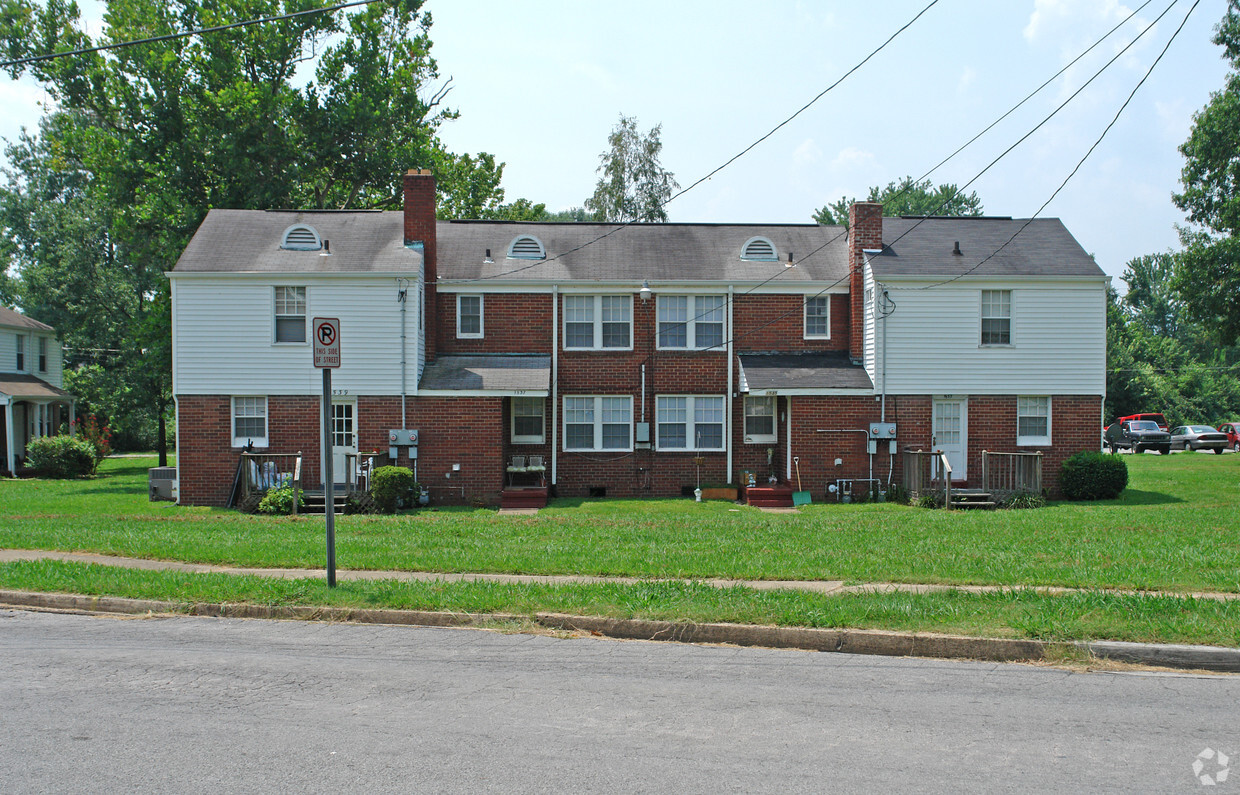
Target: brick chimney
420	229
865	232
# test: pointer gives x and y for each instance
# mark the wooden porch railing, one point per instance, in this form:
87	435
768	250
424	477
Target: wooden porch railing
262	471
1005	474
927	472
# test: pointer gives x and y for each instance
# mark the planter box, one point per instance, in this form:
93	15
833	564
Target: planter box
719	493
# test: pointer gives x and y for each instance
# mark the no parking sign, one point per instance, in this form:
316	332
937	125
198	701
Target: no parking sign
326	341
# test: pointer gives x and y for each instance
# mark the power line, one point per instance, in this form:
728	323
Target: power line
185	34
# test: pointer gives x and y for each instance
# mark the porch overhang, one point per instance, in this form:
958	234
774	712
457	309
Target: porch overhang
15	386
487	375
786	374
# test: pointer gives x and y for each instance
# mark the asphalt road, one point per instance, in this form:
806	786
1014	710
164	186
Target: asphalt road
211	705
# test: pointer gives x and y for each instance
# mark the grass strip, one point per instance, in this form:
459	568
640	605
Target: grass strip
1013	614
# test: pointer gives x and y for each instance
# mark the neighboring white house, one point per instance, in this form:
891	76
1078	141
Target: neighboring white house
31	370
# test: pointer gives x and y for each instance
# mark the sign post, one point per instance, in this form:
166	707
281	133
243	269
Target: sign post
327	356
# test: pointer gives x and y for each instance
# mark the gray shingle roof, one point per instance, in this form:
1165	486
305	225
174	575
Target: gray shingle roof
767	371
248	241
11	318
487	372
29	386
923	247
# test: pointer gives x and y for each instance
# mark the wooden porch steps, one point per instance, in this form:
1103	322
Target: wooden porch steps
776	496
316	501
523	497
973	499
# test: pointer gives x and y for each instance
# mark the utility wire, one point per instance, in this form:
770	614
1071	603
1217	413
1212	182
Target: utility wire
185	34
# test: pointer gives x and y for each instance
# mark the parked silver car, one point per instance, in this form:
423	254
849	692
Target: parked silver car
1198	437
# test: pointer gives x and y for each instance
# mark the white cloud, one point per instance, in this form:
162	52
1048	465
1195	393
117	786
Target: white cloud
967	78
851	158
807	153
1066	21
1175	119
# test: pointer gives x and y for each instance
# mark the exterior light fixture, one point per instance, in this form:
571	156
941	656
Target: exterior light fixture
644	292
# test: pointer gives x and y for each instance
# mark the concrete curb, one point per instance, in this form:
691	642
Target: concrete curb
847	641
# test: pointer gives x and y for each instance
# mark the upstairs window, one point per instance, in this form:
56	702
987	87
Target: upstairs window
21	353
42	354
468	316
290	314
300	237
996	317
598	322
527	247
759	249
694	322
818	317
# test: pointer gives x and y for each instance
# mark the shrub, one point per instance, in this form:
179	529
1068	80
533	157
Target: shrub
279	501
98	434
392	485
1024	499
897	493
1090	475
930	499
61	456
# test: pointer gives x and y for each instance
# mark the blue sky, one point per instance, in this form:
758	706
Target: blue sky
541	83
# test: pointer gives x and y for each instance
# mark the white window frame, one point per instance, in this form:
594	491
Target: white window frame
1023	405
249	403
811	300
277	315
42	354
695	315
528	402
690	422
773	402
1004	297
599	403
19	353
596	304
467	335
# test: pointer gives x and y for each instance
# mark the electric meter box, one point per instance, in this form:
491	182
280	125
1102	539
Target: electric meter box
403	438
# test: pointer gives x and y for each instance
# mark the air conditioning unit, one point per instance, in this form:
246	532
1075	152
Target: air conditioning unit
162	483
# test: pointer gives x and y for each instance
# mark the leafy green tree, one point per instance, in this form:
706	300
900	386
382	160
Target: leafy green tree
906	197
1206	273
634	185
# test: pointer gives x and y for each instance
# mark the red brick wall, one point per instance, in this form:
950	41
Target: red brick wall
419	206
865	232
509	322
787	331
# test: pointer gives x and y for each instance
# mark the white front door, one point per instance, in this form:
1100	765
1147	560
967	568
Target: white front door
344	438
951	422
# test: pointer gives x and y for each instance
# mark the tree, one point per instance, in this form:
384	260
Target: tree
634	185
145	139
1206	273
906	197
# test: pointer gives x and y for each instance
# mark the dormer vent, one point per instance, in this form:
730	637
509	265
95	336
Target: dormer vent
759	249
527	247
300	237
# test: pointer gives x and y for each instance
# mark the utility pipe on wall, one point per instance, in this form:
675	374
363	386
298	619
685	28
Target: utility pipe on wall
727	413
555	381
402	296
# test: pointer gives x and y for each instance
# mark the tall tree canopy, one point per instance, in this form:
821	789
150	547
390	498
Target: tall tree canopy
141	141
634	185
906	197
1207	273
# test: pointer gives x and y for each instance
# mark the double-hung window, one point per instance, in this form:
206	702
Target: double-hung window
21	353
527	420
597	322
818	317
996	317
689	422
249	421
691	321
1033	421
469	316
759	418
42	354
594	423
290	315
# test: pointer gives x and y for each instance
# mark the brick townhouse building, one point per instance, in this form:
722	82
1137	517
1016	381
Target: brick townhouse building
634	360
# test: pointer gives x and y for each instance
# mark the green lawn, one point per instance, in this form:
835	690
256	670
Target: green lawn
1174	530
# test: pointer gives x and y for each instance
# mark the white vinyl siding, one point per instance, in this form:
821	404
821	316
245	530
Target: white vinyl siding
249	421
289	324
469	316
527	420
1058	329
598	423
760	422
222	337
598	322
691	321
1033	421
689	422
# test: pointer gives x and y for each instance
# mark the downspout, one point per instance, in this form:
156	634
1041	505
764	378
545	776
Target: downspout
402	296
788	445
727	413
555	382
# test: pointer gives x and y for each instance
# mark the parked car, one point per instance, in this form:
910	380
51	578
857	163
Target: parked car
1138	436
1198	437
1158	419
1232	429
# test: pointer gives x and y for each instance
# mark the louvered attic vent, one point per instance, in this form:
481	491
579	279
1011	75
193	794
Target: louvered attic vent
301	238
759	248
526	247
